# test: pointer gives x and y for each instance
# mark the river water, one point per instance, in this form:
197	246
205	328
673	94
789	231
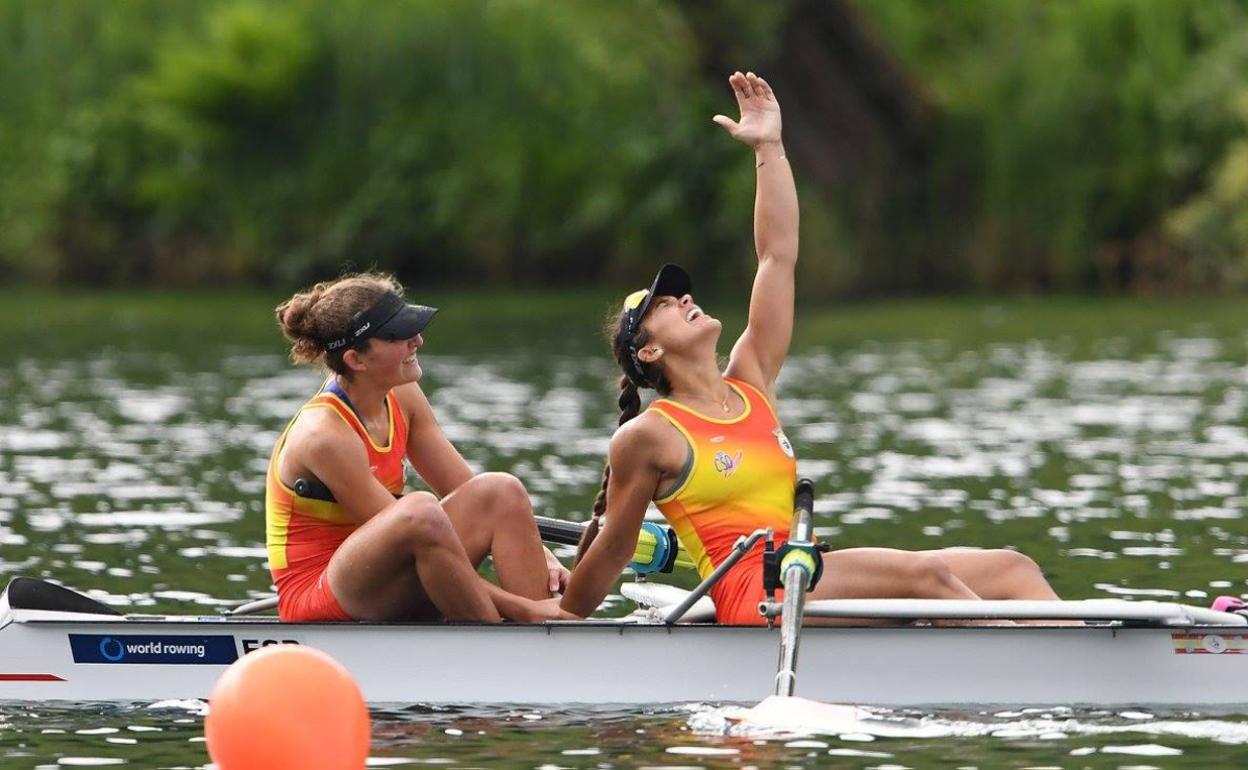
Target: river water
133	441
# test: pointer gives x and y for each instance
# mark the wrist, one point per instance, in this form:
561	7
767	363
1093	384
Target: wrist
768	151
526	611
512	607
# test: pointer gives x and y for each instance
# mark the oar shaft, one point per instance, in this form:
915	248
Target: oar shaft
559	531
253	607
790	630
794	590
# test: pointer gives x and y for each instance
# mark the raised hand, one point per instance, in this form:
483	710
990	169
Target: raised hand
760	112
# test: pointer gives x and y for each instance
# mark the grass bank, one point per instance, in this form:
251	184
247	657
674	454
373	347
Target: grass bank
62	323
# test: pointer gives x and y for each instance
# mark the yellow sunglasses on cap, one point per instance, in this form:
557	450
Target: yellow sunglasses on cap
634	300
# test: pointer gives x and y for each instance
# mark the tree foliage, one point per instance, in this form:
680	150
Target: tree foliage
1078	145
1076	126
262	141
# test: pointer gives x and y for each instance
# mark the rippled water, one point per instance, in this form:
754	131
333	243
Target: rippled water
135	471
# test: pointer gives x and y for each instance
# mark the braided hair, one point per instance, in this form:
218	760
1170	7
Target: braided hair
630	406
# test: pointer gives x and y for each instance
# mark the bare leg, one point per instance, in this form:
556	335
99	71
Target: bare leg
492	515
886	573
889	573
951	573
998	573
405	559
1003	574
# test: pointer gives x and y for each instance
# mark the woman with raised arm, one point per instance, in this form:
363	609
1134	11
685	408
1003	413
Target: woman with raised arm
341	547
710	452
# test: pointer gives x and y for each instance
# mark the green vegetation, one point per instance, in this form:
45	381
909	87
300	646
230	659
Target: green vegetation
1073	129
261	141
1076	146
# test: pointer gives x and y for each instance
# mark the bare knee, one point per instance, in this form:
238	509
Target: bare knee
421	520
931	576
1014	560
1015	566
502	494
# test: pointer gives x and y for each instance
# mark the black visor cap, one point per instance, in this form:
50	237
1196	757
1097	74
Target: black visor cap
670	281
407	323
390	318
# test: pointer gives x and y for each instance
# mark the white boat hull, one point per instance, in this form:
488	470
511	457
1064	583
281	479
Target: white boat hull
151	659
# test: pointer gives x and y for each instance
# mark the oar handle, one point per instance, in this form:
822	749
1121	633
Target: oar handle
803	510
658	549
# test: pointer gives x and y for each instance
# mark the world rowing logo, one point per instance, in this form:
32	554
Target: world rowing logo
143	649
726	464
112	649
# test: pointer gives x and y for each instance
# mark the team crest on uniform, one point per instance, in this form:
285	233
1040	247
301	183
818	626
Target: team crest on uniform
727	464
783	441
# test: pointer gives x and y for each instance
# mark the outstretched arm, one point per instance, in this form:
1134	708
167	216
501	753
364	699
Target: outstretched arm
761	350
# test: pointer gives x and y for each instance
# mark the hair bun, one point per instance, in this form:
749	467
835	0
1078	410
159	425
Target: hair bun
324	312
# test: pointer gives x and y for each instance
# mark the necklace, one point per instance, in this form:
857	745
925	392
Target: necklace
723	404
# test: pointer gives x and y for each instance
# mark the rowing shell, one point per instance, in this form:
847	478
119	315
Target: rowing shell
56	644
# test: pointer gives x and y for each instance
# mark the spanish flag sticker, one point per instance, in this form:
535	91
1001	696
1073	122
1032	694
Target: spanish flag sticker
1210	644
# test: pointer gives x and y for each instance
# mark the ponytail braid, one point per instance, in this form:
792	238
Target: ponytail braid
630	407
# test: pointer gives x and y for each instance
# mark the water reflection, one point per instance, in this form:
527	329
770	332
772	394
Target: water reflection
140	479
1120	471
170	735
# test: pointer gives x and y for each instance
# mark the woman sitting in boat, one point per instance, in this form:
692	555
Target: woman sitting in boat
341	547
710	451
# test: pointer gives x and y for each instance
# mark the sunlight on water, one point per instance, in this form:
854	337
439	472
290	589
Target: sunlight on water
139	479
1025	723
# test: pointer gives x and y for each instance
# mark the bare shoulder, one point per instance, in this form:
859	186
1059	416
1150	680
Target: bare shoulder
319	422
317	431
648	440
637	432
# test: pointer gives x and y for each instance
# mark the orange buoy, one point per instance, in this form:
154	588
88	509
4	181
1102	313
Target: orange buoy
287	706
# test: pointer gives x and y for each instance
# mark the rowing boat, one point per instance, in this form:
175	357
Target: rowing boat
60	645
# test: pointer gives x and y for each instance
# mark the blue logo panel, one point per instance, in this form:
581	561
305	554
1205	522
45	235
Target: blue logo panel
165	650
